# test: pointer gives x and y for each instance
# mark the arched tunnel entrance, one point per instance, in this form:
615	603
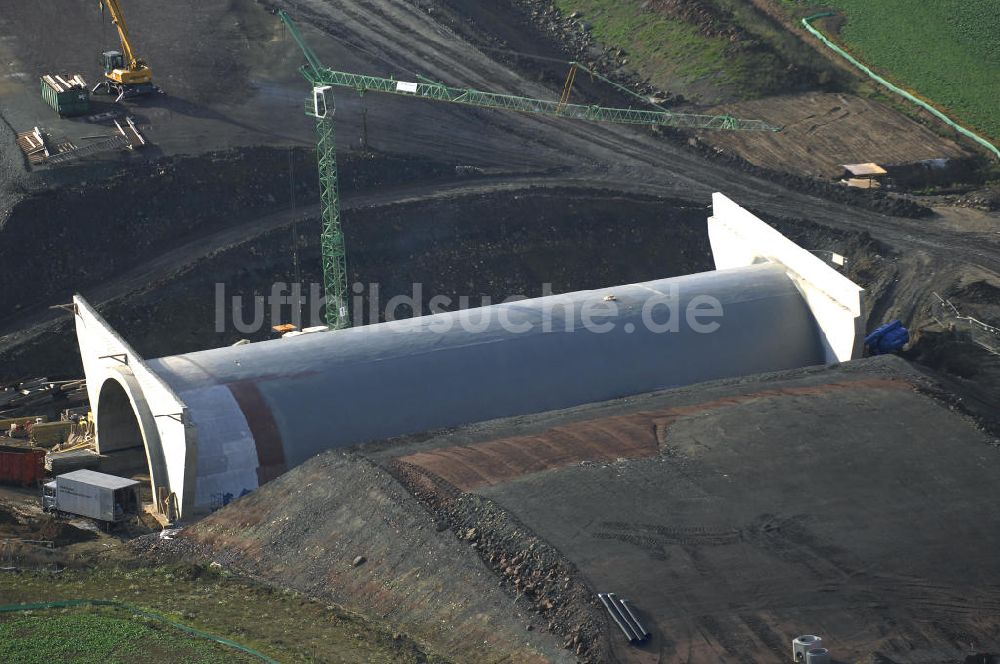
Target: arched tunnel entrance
117	425
120	439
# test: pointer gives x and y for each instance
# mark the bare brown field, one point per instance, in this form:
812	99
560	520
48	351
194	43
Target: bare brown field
821	131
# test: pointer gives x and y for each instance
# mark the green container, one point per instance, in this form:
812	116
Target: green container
69	102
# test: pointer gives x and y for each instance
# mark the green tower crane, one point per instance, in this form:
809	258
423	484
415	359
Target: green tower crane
321	107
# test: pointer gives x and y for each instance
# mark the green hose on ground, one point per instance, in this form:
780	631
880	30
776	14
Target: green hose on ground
807	22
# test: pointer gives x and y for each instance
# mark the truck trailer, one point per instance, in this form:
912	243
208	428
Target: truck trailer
98	496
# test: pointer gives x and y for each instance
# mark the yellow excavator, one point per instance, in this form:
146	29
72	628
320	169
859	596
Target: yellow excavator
125	74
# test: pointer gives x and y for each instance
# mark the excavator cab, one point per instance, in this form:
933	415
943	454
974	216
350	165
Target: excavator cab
113	60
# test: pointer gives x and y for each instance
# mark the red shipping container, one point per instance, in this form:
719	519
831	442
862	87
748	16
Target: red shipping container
21	465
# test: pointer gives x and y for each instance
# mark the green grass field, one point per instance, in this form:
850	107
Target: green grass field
282	625
693	59
944	51
659	47
103	636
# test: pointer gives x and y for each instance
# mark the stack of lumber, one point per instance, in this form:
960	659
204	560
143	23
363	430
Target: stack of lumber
62	84
58	463
37	393
50	434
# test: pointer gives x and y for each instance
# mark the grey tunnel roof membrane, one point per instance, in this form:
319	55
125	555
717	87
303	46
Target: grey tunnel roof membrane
229	419
735	290
274	404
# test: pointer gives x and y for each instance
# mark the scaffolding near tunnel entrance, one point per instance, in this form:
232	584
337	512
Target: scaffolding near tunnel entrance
981	334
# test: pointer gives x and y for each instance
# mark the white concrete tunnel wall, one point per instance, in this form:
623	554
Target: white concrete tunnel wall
739	238
158	412
223	421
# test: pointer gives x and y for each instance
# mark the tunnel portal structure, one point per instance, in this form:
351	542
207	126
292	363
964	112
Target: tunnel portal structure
218	423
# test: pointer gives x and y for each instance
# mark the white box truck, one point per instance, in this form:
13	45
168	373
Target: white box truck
106	498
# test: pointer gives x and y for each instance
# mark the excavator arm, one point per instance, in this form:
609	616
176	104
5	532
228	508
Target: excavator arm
125	74
118	18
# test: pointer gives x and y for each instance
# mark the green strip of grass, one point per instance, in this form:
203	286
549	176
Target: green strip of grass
947	52
103	636
280	624
675	55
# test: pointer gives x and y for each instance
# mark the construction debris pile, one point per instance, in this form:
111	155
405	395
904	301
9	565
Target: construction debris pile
68	443
75	446
40	148
40	393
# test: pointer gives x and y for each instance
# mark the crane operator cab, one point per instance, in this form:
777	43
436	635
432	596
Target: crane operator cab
113	60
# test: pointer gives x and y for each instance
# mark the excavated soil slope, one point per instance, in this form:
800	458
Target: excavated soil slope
477	241
307	529
722	511
734	523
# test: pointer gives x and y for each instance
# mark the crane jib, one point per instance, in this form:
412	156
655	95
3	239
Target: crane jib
318	75
320	106
470	97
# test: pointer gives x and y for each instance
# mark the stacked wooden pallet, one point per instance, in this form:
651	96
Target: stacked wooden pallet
37	147
34	145
60	84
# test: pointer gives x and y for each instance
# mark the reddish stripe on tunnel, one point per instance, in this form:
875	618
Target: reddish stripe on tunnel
266	436
635	435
